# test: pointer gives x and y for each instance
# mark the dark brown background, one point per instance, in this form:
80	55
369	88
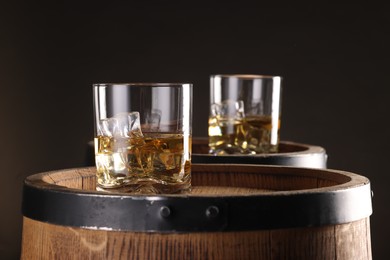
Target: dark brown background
334	59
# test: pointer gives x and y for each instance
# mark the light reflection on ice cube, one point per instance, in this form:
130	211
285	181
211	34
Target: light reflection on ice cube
123	125
256	108
153	119
228	108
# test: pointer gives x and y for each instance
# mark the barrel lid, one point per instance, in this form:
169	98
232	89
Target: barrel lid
289	154
342	203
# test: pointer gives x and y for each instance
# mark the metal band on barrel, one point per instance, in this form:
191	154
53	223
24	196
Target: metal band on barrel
181	213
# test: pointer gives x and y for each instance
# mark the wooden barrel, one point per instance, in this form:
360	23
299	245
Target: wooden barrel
289	154
233	212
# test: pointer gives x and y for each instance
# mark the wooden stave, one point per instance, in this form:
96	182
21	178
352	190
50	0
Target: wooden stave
349	241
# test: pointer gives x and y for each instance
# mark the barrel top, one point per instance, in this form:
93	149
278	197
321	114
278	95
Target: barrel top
289	154
225	197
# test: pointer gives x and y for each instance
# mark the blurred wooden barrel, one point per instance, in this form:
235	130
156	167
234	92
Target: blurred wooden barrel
233	212
289	154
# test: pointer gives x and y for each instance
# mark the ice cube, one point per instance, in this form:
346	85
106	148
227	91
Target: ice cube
228	108
134	125
153	119
256	108
106	127
123	125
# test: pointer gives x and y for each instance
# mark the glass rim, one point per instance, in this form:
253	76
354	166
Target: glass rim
143	84
246	76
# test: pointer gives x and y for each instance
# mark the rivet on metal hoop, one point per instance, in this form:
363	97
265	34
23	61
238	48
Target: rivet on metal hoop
212	212
165	211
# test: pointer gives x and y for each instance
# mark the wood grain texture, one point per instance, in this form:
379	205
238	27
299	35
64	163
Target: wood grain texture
46	241
277	178
349	241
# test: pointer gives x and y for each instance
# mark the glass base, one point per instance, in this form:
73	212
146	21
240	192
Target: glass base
148	188
234	149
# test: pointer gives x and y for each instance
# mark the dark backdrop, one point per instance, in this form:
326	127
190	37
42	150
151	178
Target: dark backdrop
334	60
